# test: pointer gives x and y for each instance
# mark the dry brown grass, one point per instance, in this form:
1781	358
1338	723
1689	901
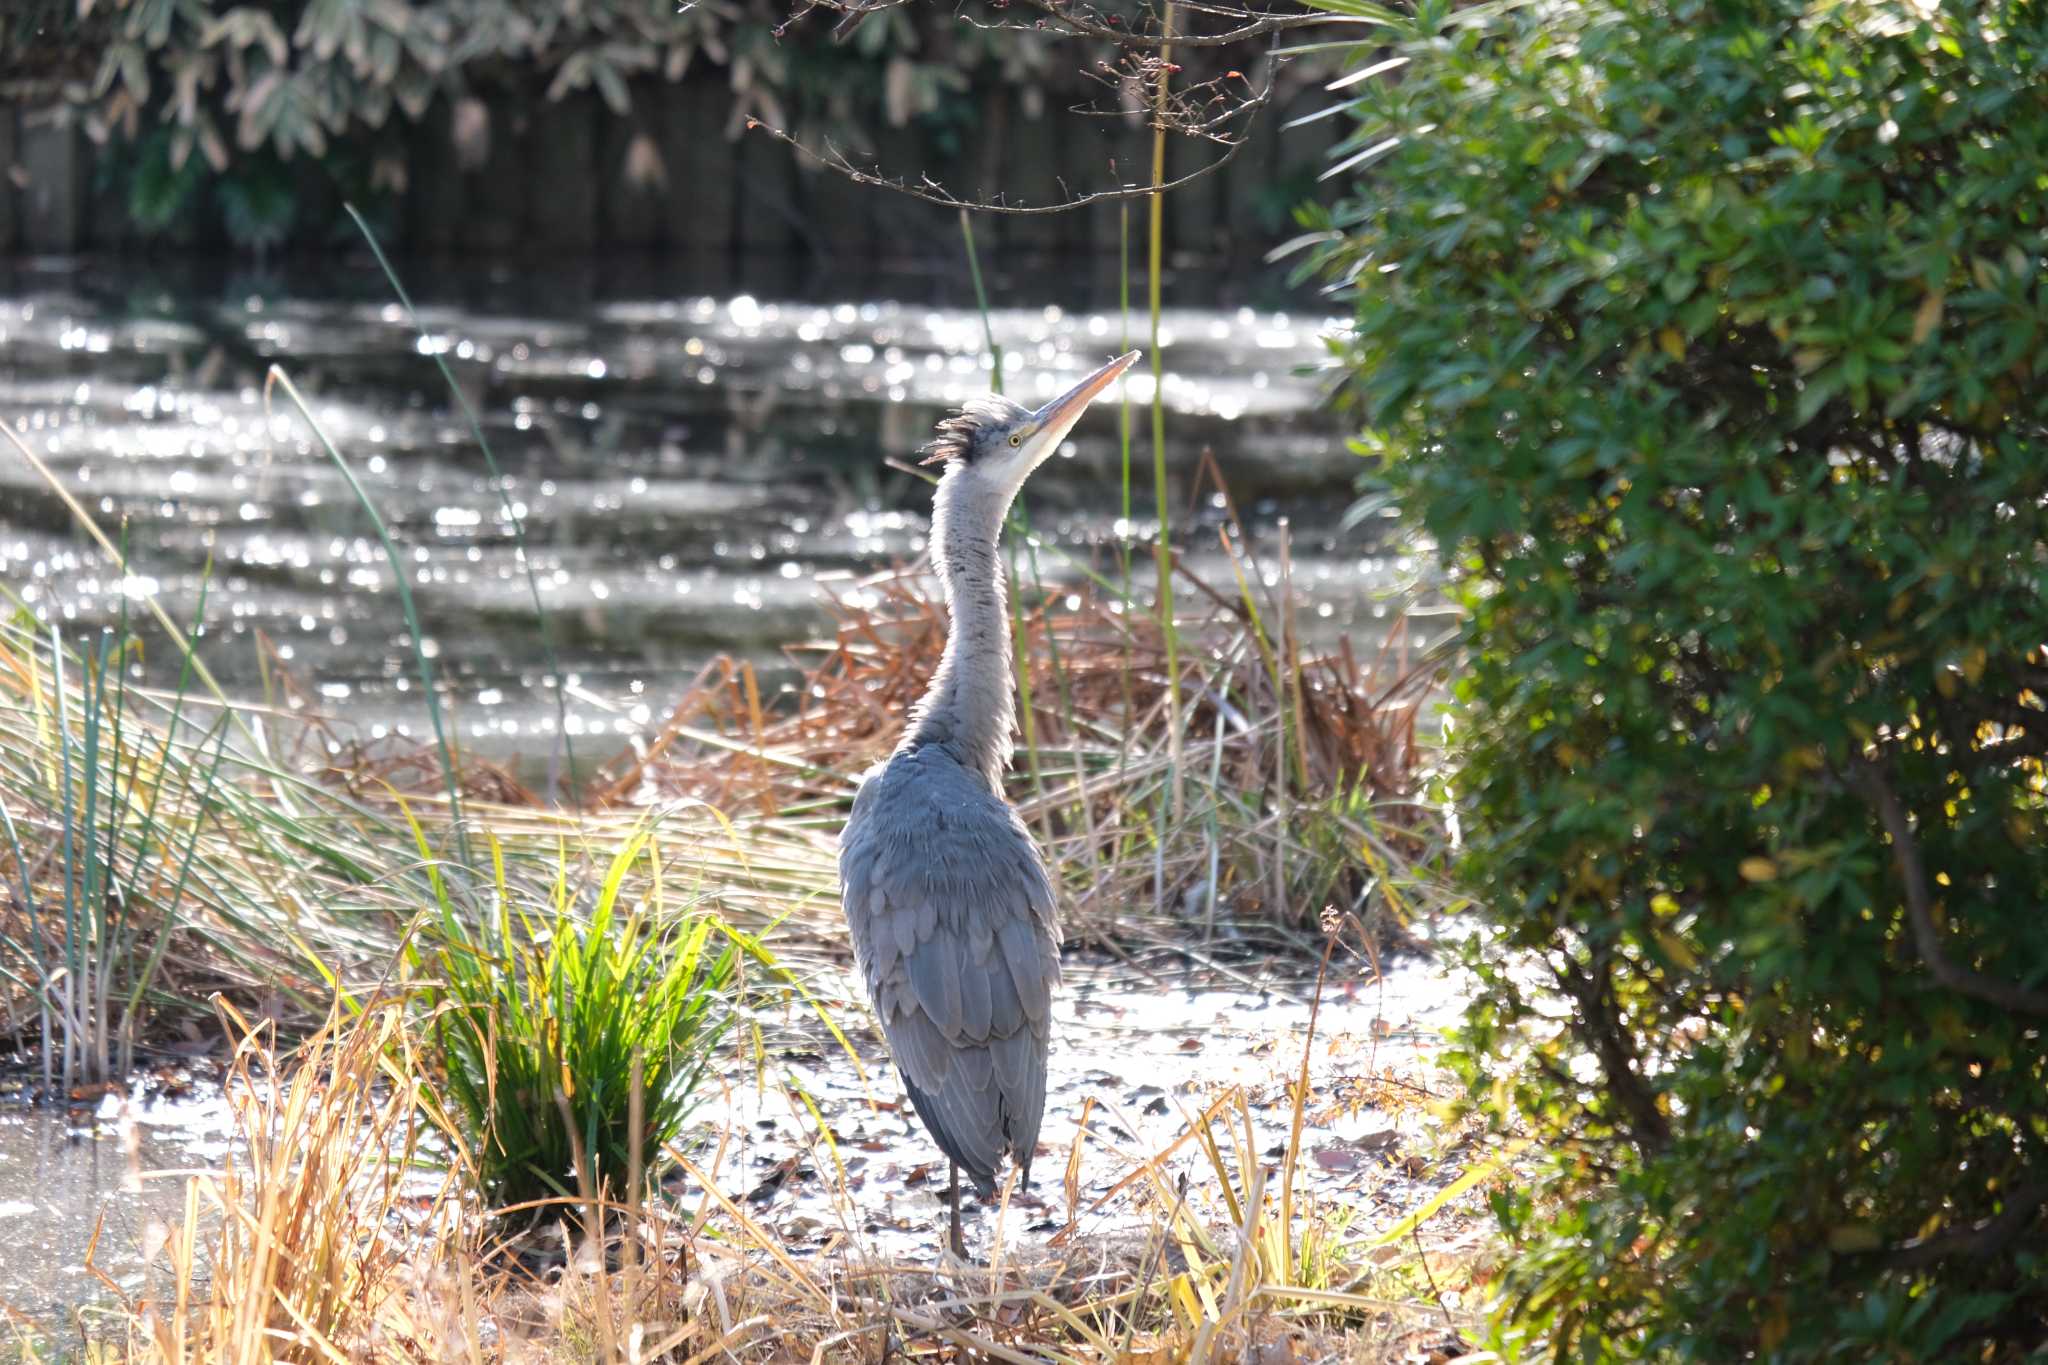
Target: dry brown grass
320	1244
302	1245
1298	785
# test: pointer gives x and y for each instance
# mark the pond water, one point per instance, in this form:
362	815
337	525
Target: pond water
686	462
1135	1057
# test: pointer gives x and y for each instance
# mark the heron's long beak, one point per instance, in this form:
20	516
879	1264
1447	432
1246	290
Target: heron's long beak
1058	417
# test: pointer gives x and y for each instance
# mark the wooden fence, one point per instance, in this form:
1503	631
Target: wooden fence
555	180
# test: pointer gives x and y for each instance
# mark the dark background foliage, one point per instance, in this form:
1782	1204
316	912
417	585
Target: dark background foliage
249	123
1706	339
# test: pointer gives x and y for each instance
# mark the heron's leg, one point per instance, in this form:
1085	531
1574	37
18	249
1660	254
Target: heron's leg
953	1237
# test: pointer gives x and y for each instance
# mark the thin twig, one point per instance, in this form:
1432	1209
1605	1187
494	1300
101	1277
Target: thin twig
1422	1256
1180	1198
929	190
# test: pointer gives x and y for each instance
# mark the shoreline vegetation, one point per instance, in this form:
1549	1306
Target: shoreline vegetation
348	913
253	858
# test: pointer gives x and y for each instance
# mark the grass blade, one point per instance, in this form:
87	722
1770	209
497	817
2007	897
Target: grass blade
403	581
557	680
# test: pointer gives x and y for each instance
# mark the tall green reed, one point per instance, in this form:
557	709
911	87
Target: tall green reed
502	486
402	581
1123	387
118	841
1163	550
988	327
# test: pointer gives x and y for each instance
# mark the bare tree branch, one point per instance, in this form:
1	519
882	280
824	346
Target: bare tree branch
1891	814
1065	19
1186	123
1086	26
932	192
1593	992
1987	1238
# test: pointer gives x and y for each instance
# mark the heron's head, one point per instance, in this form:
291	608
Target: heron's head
997	441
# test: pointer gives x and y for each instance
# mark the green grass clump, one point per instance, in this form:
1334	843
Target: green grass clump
571	1041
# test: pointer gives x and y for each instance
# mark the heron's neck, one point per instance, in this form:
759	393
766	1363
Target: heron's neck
970	709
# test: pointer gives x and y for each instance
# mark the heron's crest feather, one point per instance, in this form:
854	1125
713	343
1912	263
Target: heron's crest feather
959	431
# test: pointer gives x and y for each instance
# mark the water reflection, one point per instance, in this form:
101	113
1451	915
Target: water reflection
108	1171
684	469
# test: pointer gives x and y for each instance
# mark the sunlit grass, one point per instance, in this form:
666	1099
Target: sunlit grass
569	1029
326	1236
119	813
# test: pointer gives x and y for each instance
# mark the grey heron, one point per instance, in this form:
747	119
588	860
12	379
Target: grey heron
955	932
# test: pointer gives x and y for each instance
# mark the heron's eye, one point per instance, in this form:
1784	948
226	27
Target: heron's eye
1016	438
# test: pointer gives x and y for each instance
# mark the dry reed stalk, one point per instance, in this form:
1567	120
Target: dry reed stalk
1273	739
298	1248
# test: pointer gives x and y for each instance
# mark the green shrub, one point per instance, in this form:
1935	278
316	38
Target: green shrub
538	1023
1707	342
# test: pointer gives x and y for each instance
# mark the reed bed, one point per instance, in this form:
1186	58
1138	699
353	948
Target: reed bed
266	864
1300	776
157	847
154	849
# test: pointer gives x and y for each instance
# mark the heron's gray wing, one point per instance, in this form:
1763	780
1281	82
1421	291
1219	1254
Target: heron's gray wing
955	934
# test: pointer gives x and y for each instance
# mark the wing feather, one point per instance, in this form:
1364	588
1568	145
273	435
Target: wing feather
975	989
1025	962
955	933
1005	1011
935	975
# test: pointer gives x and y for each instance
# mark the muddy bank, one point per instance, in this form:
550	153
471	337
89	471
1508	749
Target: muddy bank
1138	1058
1135	1063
